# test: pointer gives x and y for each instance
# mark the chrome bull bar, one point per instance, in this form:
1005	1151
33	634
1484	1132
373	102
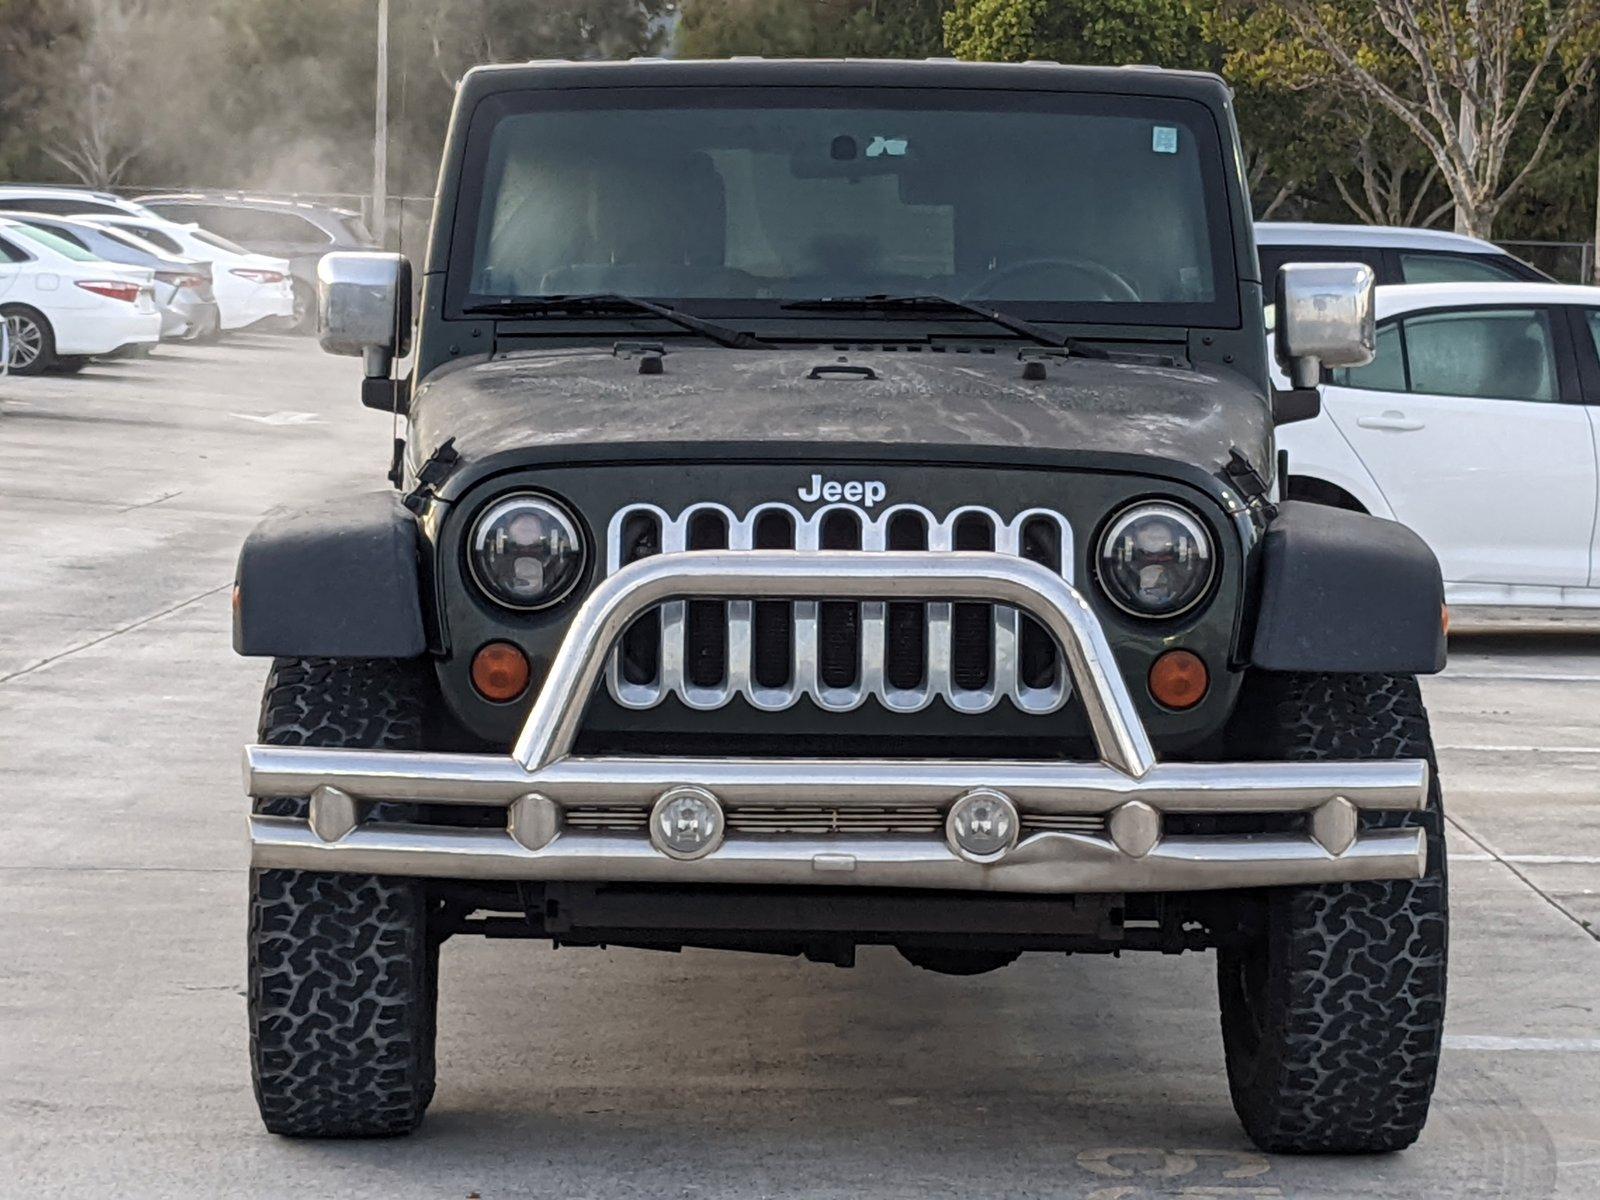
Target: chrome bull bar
541	780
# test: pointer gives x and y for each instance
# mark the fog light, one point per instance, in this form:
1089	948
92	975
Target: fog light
500	672
982	825
1179	679
686	822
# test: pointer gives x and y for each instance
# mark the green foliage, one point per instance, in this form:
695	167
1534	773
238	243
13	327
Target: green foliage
1166	33
278	93
811	28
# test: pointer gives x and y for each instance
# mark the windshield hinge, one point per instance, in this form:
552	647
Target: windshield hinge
1248	480
397	463
432	473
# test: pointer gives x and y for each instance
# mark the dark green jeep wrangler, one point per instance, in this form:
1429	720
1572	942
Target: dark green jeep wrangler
838	507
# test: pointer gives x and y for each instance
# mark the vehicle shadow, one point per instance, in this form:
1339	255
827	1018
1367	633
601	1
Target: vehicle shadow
641	1074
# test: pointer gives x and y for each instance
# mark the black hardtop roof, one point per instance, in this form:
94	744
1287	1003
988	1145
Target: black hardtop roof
845	72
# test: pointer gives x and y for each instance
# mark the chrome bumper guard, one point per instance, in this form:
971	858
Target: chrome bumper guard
541	782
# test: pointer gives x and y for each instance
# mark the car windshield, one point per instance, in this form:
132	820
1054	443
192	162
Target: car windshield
59	244
1065	205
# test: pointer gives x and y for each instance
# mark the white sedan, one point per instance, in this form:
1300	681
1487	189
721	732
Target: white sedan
251	289
1478	425
62	306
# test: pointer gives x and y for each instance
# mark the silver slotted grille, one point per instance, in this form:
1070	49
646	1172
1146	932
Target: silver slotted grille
838	653
816	821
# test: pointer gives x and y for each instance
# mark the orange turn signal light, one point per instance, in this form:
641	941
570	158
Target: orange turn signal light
1179	679
500	672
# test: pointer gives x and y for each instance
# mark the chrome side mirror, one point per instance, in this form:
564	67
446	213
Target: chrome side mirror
364	307
1324	318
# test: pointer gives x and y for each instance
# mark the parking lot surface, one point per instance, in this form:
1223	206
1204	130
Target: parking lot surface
580	1073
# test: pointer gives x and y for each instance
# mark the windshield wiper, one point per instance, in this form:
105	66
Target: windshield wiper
887	303
532	306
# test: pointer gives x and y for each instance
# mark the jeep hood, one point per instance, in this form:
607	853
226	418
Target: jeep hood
566	404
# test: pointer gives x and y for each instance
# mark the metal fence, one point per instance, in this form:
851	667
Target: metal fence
409	217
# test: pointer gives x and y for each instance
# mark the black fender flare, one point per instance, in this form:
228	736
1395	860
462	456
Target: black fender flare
337	580
1343	591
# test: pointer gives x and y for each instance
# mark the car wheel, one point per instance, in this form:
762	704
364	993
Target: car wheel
32	341
305	309
1333	997
342	968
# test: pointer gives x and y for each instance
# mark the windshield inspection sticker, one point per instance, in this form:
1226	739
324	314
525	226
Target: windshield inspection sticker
893	147
1164	139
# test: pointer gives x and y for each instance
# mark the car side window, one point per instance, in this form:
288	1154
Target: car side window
10	253
157	238
1422	267
59	206
283	227
68	235
1493	354
1592	315
182	214
1387	370
248	225
1274	257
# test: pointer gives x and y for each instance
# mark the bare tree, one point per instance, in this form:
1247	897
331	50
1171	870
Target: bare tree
107	95
1392	182
1484	72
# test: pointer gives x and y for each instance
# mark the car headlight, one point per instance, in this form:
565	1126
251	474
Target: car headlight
526	552
1156	560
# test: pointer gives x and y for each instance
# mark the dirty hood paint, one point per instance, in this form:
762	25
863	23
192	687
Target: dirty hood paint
548	401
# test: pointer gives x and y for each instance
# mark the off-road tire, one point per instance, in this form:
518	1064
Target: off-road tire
1333	1011
343	970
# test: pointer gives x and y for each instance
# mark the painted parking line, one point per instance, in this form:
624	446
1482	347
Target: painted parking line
1534	860
1522	749
1514	676
1480	1041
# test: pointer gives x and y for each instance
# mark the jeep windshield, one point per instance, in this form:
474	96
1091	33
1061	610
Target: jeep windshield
739	202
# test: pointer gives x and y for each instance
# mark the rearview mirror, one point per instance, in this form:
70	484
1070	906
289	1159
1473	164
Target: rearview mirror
1324	318
364	306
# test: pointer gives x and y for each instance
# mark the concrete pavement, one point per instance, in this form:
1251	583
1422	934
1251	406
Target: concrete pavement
125	493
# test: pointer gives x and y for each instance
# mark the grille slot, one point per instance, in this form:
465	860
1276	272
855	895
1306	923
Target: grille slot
904	654
1066	823
822	821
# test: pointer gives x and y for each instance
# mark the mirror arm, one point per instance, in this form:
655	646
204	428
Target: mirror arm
1295	404
378	389
387	395
1305	371
377	361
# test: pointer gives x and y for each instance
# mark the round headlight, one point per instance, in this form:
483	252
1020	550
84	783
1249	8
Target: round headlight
1156	560
526	552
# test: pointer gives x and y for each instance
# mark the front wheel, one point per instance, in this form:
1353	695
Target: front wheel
343	969
1333	1005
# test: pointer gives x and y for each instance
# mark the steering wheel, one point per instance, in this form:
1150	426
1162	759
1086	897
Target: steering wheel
1112	286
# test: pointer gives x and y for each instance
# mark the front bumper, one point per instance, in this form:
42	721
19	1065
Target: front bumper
1087	827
